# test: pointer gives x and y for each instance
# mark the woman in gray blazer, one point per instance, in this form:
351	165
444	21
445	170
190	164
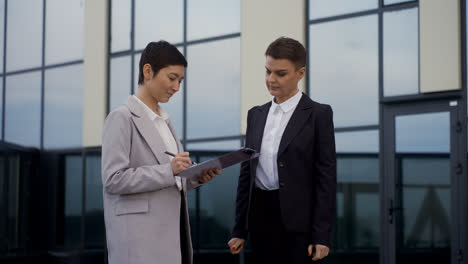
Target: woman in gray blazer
145	206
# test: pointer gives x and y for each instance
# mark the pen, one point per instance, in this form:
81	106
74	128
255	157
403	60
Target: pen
173	155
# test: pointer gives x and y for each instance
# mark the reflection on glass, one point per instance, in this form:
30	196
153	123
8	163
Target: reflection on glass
358	209
225	145
3	203
158	20
13	200
63	107
213	91
391	2
192	208
94	236
2	37
425	196
24	34
423	186
326	8
366	141
208	18
344	69
1	102
175	110
400	50
120	81
423	133
120	25
73	200
64	37
136	71
217	208
23	109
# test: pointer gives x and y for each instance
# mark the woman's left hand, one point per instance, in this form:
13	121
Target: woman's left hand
209	175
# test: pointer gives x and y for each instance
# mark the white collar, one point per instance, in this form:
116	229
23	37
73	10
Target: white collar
287	105
152	115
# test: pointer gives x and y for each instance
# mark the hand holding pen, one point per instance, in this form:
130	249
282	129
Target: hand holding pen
180	162
183	162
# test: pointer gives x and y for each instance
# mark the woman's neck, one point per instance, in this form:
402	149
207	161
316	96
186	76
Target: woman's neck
144	95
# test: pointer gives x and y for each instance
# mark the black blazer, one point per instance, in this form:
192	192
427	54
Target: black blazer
306	171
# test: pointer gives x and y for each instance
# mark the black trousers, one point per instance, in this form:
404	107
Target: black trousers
183	231
271	242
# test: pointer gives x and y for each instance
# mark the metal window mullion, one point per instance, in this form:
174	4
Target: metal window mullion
4	67
43	73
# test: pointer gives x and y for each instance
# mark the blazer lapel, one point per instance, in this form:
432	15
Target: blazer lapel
259	121
147	130
296	123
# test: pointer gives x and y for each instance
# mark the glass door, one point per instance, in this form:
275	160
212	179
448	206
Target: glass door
420	167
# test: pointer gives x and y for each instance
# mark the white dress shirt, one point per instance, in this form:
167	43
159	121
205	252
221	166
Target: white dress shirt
277	120
160	123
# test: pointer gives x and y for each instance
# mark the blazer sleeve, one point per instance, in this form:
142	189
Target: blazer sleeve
243	191
117	175
325	178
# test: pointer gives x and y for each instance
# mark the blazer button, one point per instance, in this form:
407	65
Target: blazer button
281	184
281	165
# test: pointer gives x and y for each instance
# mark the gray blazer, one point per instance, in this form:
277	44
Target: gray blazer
141	200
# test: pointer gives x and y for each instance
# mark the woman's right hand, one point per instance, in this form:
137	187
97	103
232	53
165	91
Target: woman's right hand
236	245
180	162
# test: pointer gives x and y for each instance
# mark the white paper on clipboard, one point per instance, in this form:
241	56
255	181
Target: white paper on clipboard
232	158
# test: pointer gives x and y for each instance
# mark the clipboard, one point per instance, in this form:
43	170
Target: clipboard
227	160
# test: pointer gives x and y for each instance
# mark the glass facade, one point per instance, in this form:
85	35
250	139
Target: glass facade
395	194
400	193
43	78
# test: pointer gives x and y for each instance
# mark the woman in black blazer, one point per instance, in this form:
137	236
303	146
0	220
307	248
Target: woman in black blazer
286	198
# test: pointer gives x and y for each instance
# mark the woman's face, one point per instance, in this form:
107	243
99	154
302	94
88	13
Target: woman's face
165	83
281	77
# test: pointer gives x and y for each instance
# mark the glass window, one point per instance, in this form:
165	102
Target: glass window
401	52
136	71
120	25
326	8
358	210
208	18
344	69
413	132
227	145
423	188
63	107
158	20
120	81
175	110
1	103
192	209
64	37
425	192
23	109
94	225
24	34
213	91
73	200
391	2
2	31
217	212
357	141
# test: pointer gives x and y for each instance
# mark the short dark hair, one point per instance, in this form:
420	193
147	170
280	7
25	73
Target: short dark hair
160	55
288	48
